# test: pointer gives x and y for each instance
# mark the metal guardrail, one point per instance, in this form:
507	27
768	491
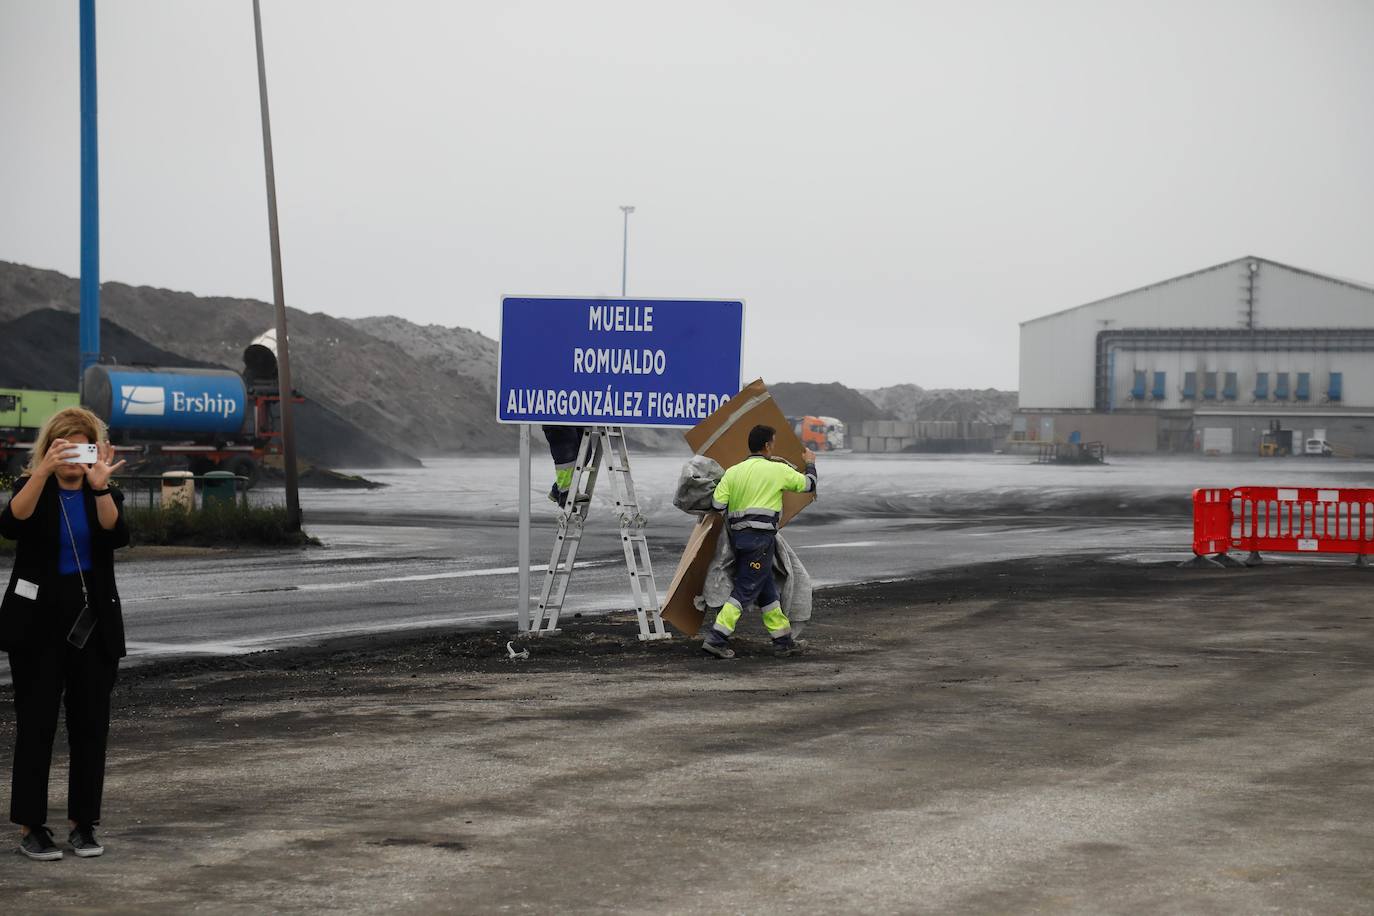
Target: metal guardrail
152	485
1072	453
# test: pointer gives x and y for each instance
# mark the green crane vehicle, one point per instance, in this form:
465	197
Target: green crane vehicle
22	412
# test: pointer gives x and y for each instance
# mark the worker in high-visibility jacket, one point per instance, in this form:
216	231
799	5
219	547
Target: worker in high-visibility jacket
750	495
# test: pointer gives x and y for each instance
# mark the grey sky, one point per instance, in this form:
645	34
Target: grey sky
890	186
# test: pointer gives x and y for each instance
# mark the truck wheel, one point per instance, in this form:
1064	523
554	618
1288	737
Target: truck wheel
201	466
246	467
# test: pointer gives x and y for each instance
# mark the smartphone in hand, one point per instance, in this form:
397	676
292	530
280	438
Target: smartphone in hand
86	453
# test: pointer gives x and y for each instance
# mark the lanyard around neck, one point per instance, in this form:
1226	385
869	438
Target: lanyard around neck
76	555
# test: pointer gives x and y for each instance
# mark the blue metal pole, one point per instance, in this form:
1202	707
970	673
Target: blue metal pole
90	196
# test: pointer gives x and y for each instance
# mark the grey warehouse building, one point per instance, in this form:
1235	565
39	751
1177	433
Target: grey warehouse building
1240	357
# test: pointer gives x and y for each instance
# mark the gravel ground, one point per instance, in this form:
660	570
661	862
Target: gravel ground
1037	736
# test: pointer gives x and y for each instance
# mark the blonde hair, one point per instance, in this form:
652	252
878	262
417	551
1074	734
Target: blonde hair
64	424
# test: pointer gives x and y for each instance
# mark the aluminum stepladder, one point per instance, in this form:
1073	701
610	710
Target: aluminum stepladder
602	448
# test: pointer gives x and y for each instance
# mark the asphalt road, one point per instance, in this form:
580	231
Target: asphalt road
371	577
390	561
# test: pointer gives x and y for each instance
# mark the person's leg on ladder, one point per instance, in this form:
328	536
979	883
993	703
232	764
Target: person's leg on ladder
564	444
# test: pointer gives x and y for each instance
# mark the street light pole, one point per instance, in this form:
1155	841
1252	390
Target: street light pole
284	390
625	250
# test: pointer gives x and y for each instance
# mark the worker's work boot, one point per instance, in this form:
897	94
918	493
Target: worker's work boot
715	644
784	646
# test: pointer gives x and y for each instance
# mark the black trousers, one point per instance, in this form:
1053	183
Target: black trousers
52	672
564	441
754	582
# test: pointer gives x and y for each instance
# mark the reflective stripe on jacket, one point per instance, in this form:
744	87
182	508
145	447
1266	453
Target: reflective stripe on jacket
751	491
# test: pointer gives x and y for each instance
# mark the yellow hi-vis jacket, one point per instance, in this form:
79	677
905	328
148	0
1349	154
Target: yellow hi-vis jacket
751	491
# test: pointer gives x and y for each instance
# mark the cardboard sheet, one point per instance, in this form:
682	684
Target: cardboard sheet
724	437
680	609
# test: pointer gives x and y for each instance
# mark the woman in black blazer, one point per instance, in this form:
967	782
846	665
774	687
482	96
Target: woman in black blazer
62	626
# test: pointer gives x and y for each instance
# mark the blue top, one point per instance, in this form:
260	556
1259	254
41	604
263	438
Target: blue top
74	501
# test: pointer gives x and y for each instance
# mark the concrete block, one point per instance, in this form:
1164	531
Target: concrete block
859	443
869	428
892	445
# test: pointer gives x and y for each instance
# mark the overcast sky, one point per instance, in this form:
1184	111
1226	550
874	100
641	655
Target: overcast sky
891	187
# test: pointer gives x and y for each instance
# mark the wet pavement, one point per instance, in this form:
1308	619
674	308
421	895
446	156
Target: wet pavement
382	578
437	547
1071	735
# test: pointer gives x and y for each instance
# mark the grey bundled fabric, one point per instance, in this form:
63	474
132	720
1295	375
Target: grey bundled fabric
697	483
695	487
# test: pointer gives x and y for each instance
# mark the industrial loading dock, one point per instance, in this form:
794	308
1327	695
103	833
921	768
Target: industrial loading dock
1244	348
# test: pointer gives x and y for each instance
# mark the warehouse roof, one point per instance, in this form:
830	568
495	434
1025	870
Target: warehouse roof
1354	284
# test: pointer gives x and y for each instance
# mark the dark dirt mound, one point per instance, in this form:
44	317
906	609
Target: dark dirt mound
375	384
325	438
830	400
322	479
37	350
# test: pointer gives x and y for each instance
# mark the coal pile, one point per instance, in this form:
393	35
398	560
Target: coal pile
799	399
37	350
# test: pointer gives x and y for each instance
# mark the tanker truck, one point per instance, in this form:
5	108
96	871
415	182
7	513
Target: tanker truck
197	414
208	419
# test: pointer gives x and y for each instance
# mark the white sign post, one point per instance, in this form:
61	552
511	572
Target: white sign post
523	613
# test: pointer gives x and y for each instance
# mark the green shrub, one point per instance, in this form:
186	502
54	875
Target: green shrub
220	525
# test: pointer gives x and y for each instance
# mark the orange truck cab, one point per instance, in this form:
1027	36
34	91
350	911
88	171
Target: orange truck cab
820	434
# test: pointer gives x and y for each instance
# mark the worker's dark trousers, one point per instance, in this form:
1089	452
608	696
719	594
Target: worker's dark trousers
564	442
754	581
43	678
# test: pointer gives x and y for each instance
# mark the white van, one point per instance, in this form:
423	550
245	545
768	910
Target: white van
1317	447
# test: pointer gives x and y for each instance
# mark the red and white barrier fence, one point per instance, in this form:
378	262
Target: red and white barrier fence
1282	520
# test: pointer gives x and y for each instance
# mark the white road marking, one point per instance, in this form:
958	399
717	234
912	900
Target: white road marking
362	583
258	643
839	544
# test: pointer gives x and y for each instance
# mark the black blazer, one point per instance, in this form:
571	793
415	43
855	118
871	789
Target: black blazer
39	538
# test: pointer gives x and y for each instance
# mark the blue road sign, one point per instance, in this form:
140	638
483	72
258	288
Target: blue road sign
617	362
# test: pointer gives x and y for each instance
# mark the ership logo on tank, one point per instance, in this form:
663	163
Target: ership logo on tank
143	400
151	401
